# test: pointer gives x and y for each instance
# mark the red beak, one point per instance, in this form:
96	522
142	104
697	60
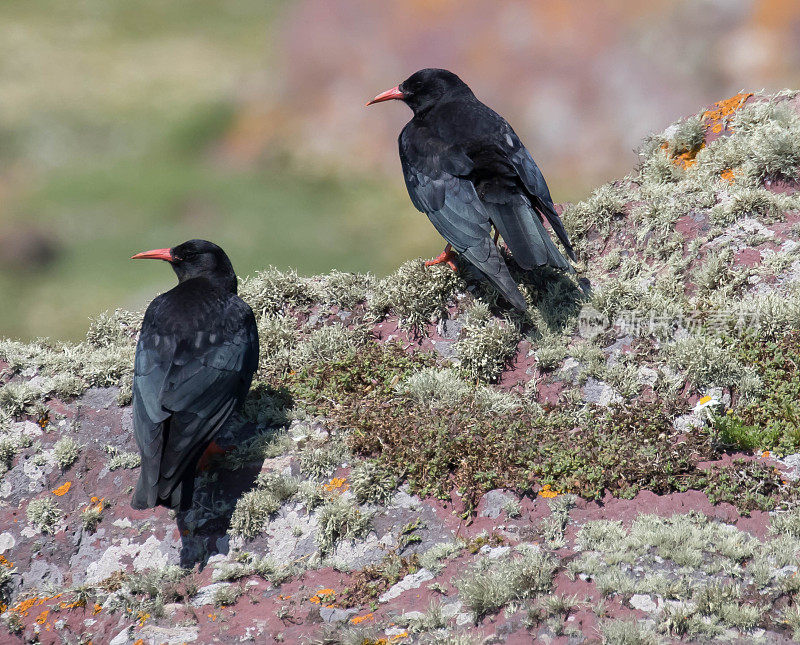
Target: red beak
155	254
388	95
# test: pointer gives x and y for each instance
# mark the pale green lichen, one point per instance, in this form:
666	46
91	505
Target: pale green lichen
340	519
370	482
415	293
273	290
254	508
44	514
66	451
486	344
326	345
122	459
491	584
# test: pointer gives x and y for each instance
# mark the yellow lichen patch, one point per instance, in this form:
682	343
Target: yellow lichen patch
63	489
704	400
548	492
97	609
716	118
357	620
728	175
337	485
4	562
323	597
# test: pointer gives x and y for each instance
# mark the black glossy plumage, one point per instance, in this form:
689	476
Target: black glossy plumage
195	359
466	169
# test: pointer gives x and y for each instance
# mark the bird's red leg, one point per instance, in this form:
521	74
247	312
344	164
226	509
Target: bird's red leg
212	451
445	256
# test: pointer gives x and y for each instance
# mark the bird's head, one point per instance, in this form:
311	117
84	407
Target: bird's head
195	259
423	89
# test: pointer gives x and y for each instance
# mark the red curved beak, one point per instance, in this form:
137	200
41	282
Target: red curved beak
388	95
155	254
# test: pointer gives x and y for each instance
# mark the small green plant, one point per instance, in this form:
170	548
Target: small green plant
90	518
488	587
370	482
44	514
227	595
66	451
122	459
627	632
255	507
322	459
512	508
340	519
433	558
416	293
486	345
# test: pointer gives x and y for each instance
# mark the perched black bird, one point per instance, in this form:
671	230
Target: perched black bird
467	170
194	363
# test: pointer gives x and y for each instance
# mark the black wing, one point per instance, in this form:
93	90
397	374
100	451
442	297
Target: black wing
187	381
535	185
435	175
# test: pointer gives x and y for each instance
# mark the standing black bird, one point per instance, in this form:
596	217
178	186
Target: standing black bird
467	170
194	363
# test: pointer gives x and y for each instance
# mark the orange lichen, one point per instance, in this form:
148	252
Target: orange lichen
356	620
685	159
717	117
323	597
728	175
24	606
765	454
41	619
337	484
63	489
96	505
97	609
548	492
5	562
139	641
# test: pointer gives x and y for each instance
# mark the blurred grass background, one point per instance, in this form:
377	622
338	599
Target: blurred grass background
126	126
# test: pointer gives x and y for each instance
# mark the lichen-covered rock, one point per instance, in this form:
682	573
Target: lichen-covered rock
416	462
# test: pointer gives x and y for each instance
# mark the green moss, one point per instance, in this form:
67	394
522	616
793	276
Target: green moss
433	558
44	514
66	451
770	420
322	459
277	337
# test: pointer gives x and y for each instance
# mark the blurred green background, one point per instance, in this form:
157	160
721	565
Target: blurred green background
126	126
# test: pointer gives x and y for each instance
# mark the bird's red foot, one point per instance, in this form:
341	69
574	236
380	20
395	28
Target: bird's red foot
445	256
213	450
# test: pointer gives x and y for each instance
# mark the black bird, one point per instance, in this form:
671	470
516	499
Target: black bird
467	170
195	359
